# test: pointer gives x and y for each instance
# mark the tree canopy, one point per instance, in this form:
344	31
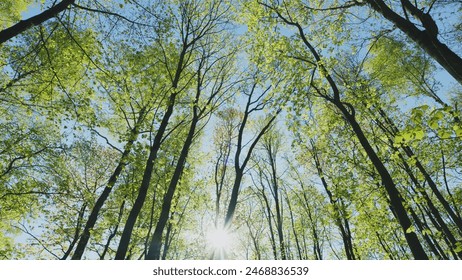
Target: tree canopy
222	129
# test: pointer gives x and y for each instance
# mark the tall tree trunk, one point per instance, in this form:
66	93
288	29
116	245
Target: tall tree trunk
391	131
294	231
151	224
167	241
314	230
421	227
438	221
156	242
77	232
254	240
410	153
93	217
270	224
346	235
143	190
384	246
220	178
441	254
396	201
114	231
277	204
239	169
234	195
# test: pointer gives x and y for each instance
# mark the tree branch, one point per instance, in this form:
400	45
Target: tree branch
24	25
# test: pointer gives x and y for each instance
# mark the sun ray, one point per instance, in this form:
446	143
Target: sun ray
220	241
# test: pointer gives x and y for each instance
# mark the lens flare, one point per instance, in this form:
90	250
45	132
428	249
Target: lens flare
220	239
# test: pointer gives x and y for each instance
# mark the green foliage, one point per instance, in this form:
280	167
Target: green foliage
85	87
400	71
10	11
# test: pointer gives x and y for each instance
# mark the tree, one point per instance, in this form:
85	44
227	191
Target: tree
268	179
348	111
255	102
192	29
212	74
427	38
147	130
141	108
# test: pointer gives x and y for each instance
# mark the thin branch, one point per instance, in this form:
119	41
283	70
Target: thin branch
107	140
111	14
26	231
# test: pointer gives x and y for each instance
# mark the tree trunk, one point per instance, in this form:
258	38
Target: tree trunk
439	223
292	222
427	39
156	242
77	232
234	194
107	190
270	225
346	235
410	153
384	246
167	241
395	198
143	190
239	169
277	205
114	232
254	241
396	201
314	230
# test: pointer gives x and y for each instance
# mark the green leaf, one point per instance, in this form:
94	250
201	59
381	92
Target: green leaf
410	229
408	136
444	134
419	134
458	130
433	123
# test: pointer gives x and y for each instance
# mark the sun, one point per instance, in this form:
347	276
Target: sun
220	239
